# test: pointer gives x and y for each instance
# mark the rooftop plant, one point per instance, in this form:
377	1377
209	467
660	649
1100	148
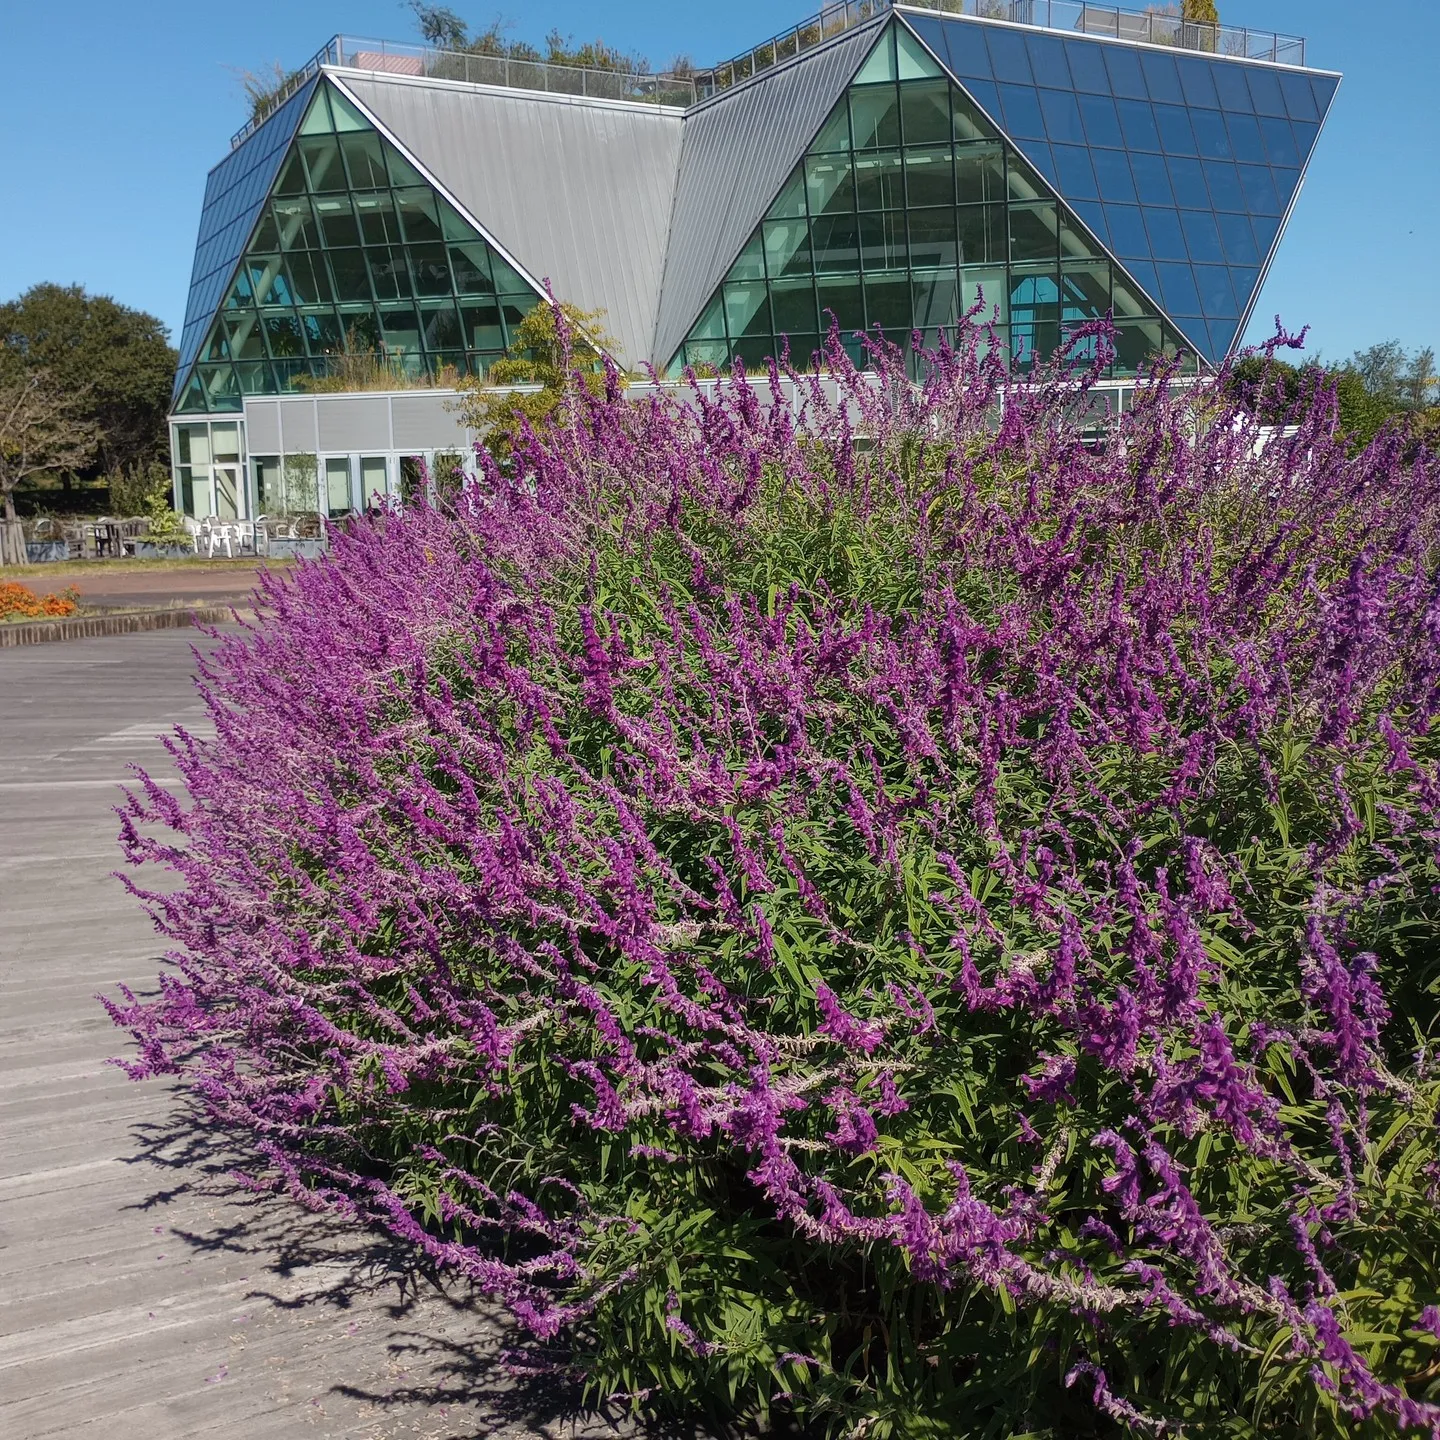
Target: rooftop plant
896	908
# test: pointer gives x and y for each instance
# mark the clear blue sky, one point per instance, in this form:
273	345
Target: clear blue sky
110	116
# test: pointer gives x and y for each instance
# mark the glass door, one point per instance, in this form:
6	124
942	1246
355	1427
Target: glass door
337	486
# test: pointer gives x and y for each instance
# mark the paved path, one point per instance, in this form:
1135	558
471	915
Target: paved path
140	1299
101	583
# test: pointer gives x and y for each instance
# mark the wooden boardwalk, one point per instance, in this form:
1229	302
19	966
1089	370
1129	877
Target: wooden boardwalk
139	1295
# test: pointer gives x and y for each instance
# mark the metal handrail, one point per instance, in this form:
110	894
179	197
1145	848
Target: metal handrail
1155	26
397	57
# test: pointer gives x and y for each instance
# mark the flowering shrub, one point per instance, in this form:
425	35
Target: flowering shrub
19	602
911	912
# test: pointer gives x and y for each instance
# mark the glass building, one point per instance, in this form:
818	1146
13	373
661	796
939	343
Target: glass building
887	166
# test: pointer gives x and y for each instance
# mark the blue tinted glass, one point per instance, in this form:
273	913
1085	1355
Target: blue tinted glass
1266	228
1279	142
1093	215
1323	88
1041	157
1245	138
1196	82
1009	60
1238	239
1202	237
1175	133
1087	65
1216	296
1259	194
1188	180
1225	191
1167	239
1230	83
1161	78
1244	279
1152	180
1265	91
1127	230
1047	60
1177	289
1102	125
1112	171
1125	76
1137	121
1144	274
963	45
1022	112
1286	182
1075	173
986	96
1305	137
1299	98
1062	117
1211	134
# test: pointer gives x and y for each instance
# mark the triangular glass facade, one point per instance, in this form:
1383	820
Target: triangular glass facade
1183	164
352	249
908	206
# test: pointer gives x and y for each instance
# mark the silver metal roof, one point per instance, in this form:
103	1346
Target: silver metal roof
739	149
578	191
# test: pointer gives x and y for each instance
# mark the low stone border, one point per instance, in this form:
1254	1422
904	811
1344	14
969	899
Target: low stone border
83	627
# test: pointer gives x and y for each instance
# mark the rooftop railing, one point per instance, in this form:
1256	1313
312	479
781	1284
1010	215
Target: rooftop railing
1160	24
399	58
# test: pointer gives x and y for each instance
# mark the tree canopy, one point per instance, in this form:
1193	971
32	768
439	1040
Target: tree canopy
117	361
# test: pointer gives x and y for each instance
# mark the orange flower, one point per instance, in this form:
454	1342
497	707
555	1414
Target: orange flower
18	602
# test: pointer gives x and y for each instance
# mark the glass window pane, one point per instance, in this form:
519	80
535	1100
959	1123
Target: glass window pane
887	300
933	238
1034	234
373	485
882	241
429	271
1286	182
1137	123
402	172
830	185
1176	136
836	242
746	309
418	216
750	263
1280	142
1188	179
1202	237
1244	280
880	64
1102	123
470	265
987	288
935	299
1075	243
1233	91
1125	76
242	336
1152	179
337	485
267	233
389	273
1085	291
793	303
875	116
1136	344
879	182
1127	230
1048	61
1239	241
1265	91
323	335
981	234
1022	112
1062	117
309	279
292	177
1167	240
345	115
1225	191
1177	289
969	123
925	112
322	162
364	160
379	225
1113	175
317	117
455	226
834	133
1087	67
1197	83
790	203
1077	174
979	174
1161	78
787	247
1217	299
1211	135
1008	57
295	225
841	295
987	96
929	177
401	329
711	324
481	325
337	222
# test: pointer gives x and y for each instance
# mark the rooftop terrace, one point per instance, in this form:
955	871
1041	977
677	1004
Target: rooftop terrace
1158	25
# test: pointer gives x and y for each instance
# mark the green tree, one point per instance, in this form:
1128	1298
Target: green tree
549	348
116	361
1200	12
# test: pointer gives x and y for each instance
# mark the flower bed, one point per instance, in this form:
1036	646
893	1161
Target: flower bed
19	602
932	931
